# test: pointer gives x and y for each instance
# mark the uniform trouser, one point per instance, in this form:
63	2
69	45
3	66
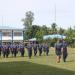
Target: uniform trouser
47	51
12	52
4	54
35	52
7	53
15	52
40	52
29	53
22	53
64	56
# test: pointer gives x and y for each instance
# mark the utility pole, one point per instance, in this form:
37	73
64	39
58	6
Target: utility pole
55	13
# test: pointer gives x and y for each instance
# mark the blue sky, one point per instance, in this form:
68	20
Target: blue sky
12	11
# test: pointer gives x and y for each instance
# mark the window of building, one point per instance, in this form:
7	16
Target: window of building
6	33
17	33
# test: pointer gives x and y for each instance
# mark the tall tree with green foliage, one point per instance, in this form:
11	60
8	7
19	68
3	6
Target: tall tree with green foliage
39	35
27	21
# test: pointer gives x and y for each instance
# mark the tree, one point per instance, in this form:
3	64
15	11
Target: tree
29	19
53	28
39	35
61	31
45	29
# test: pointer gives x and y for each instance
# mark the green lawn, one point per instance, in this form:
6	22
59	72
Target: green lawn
44	65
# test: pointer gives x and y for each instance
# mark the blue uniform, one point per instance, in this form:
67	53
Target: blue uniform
15	50
5	50
11	49
29	47
40	49
58	47
35	49
21	47
46	49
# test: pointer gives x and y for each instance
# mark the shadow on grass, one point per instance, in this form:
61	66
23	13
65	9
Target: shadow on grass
28	68
71	61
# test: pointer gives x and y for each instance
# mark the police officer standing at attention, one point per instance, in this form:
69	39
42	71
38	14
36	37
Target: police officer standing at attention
7	50
15	49
46	48
40	49
4	49
35	48
64	51
29	47
11	49
21	47
58	48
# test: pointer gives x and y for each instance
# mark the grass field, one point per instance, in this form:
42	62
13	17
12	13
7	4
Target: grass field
44	65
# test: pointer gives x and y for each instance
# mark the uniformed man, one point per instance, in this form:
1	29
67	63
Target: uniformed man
11	49
5	50
40	49
35	48
58	48
46	49
22	51
64	51
29	47
15	49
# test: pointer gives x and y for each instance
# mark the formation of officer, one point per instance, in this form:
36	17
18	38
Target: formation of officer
7	49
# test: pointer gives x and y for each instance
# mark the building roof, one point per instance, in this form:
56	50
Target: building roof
54	36
9	28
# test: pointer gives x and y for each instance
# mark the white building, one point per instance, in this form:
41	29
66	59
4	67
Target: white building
10	34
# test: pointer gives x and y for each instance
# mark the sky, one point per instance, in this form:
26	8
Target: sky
12	11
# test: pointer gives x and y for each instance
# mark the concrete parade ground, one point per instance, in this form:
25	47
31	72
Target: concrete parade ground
38	65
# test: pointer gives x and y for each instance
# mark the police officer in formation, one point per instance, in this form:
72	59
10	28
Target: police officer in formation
46	48
21	48
40	49
5	50
14	49
35	48
29	48
11	49
43	47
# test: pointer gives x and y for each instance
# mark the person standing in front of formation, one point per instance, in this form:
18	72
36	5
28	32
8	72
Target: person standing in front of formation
40	49
58	50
